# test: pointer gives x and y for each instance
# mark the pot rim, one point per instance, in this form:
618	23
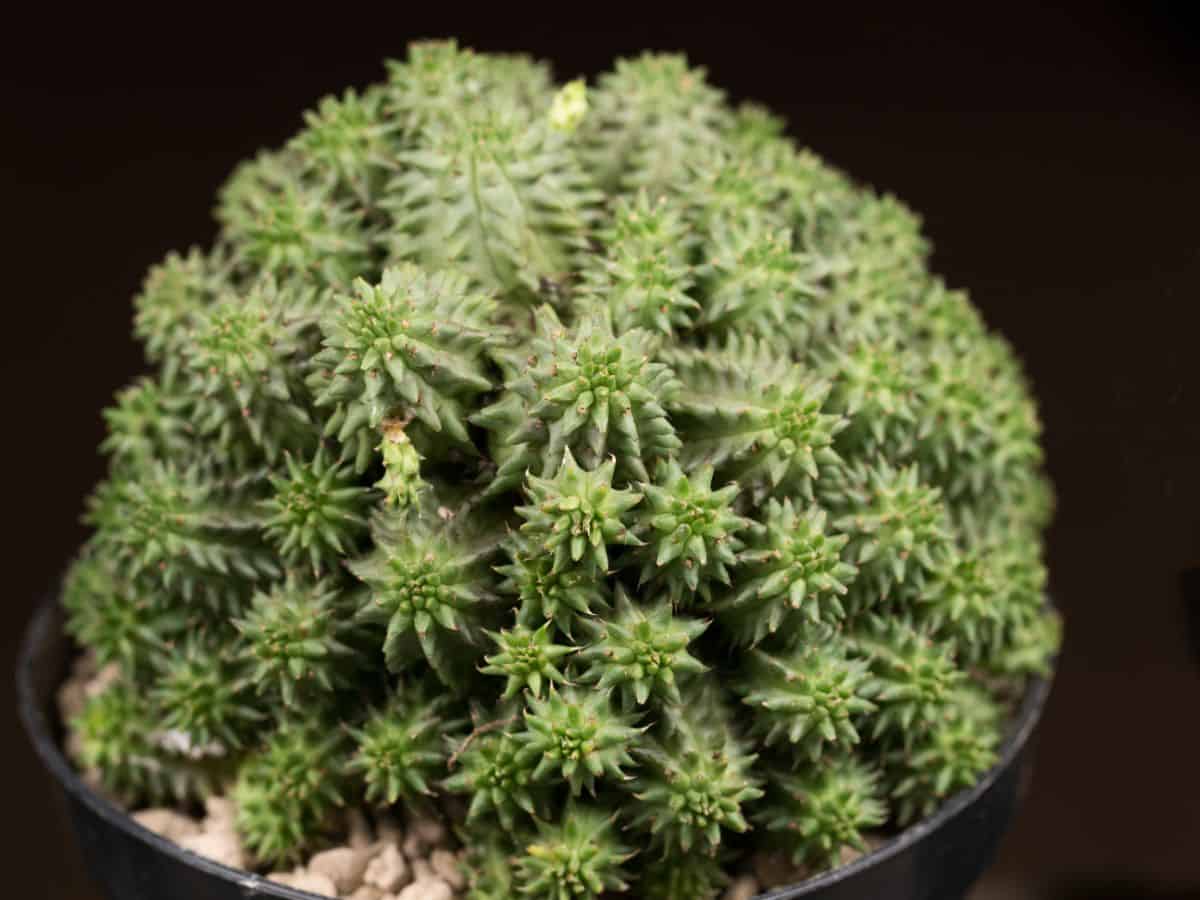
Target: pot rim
43	628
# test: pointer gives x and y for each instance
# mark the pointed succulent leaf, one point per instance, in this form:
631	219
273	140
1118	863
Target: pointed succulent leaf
691	534
578	857
401	750
577	737
642	652
792	570
825	808
587	391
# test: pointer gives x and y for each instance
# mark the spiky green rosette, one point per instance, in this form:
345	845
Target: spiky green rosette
530	660
294	639
756	416
580	858
544	590
644	276
913	679
491	767
575	516
119	618
287	790
949	756
427	583
688	876
401	751
411	346
690	532
590	459
197	536
207	706
825	809
577	737
897	527
642	652
792	570
316	513
813	697
696	782
120	744
589	392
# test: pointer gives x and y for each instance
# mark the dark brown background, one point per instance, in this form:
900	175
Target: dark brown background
1053	155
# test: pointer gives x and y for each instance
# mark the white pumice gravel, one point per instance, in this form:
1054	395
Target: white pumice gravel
743	888
168	823
344	866
219	845
427	889
388	871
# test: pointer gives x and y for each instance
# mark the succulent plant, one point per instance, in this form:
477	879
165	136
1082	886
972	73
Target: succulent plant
593	457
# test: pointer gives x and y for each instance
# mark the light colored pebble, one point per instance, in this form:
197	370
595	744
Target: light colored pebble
744	888
168	823
222	846
388	871
359	829
427	889
421	869
99	682
445	864
344	866
368	892
219	813
423	834
389	830
305	881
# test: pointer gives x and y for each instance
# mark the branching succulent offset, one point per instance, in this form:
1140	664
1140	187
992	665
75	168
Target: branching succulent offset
597	457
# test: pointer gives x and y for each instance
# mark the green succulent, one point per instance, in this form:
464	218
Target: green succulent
295	639
688	876
492	767
690	532
643	653
576	737
401	747
812	697
694	787
547	592
897	525
825	809
429	584
914	679
589	392
950	756
791	571
577	858
118	617
286	792
204	699
542	451
577	514
644	276
316	513
121	745
409	346
756	416
529	660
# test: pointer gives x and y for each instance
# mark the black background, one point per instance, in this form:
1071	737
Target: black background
1053	156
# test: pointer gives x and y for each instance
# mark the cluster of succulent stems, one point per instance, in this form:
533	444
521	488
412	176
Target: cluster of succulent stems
594	456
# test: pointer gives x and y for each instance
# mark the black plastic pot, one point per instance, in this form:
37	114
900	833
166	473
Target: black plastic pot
937	859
